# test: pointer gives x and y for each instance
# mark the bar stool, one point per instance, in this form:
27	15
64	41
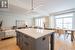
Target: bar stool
71	33
72	36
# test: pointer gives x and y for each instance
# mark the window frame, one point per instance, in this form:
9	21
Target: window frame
63	21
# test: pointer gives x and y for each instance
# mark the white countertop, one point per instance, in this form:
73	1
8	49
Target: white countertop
35	33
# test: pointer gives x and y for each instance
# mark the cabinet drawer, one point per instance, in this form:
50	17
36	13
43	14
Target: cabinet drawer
27	45
1	34
28	38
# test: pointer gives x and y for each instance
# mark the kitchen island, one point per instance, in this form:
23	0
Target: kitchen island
35	39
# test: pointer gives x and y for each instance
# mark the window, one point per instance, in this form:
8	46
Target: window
39	22
64	21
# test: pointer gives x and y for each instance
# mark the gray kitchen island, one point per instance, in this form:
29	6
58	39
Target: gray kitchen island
35	39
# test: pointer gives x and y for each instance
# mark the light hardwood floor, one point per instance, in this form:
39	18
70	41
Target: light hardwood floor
9	44
60	44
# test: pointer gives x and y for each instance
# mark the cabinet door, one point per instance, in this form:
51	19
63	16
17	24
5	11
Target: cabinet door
42	43
45	43
2	35
18	38
28	42
27	45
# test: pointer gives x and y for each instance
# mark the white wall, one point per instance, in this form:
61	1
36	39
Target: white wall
73	21
9	21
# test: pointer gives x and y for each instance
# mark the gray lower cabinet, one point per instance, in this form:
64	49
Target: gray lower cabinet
2	35
42	43
26	42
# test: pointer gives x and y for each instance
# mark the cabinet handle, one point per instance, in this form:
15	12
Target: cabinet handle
43	38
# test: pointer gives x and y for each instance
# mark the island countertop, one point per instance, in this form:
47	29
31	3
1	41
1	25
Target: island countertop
35	33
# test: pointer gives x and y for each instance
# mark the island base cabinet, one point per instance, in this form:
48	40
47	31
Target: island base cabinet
26	42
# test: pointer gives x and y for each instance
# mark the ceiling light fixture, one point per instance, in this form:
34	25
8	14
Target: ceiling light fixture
33	10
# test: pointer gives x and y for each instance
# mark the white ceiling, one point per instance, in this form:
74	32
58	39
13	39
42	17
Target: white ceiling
42	7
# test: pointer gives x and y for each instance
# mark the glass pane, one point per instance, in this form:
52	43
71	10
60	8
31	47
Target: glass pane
39	22
36	22
67	23
58	23
67	20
